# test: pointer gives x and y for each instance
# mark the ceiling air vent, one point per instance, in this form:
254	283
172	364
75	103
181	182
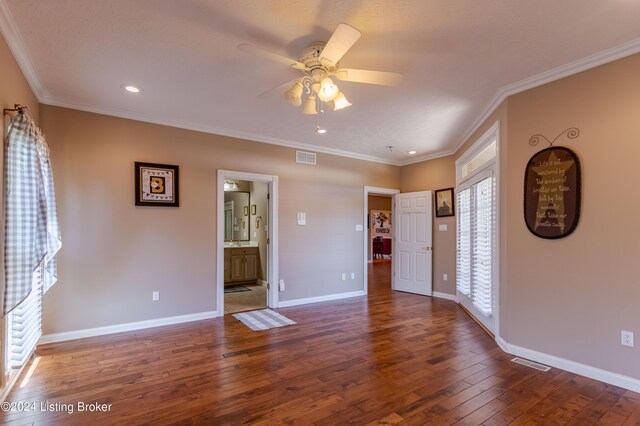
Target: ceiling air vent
306	157
531	364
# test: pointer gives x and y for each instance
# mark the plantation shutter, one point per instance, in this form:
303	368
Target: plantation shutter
482	241
463	264
24	324
475	243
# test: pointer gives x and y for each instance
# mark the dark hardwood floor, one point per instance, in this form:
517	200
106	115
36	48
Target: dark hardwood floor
391	358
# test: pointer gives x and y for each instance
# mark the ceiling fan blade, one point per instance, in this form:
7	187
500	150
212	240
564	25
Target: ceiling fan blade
271	56
383	78
268	93
342	39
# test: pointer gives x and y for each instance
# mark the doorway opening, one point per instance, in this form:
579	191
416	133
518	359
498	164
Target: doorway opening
247	242
246	259
411	246
378	235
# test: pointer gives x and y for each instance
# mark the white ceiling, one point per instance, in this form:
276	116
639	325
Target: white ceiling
457	58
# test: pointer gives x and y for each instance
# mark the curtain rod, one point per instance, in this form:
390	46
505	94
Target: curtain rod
16	108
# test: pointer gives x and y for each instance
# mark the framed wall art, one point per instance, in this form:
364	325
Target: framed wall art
444	202
552	192
156	185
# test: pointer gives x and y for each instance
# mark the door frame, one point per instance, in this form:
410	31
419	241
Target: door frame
272	223
480	144
373	190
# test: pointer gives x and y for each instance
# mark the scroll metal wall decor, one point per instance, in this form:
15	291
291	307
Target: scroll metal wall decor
552	189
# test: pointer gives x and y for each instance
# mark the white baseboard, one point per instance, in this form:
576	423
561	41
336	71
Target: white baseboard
447	296
262	282
118	328
305	301
571	366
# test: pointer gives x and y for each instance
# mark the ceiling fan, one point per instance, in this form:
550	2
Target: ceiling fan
318	63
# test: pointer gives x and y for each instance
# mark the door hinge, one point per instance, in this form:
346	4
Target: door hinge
268	196
268	240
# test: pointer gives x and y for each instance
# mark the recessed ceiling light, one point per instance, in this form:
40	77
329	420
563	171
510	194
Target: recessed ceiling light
131	89
321	130
411	152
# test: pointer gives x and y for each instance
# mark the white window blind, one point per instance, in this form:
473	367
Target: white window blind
475	245
463	264
482	241
25	325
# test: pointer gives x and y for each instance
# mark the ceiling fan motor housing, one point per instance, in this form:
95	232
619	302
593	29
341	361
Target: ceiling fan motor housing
311	58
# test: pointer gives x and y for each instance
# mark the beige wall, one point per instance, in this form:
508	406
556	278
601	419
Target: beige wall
430	176
571	297
379	202
14	88
115	254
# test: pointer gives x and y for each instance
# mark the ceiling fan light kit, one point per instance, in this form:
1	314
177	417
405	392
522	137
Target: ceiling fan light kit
294	95
328	90
310	106
319	62
340	102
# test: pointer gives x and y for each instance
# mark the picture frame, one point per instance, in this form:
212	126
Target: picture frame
445	205
253	209
246	210
156	185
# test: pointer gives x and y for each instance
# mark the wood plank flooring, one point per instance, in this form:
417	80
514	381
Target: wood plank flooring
391	358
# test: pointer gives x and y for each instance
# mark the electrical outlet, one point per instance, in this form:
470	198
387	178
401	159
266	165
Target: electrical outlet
627	338
353	275
155	296
445	277
281	285
344	276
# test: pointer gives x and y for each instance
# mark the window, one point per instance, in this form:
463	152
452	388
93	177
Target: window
476	255
24	325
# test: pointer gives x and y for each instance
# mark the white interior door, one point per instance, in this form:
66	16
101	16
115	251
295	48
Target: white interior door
413	248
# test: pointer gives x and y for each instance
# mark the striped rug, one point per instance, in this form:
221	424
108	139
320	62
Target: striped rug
263	319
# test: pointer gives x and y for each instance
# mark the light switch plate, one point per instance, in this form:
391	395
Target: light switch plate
442	227
302	218
358	228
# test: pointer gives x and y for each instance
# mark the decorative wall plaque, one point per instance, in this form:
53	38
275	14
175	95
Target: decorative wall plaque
552	191
156	185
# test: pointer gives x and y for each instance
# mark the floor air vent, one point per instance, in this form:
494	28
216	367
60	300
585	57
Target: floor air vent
306	157
530	364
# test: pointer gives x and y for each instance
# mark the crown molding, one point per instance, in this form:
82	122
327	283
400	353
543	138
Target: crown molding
12	36
617	52
427	157
130	115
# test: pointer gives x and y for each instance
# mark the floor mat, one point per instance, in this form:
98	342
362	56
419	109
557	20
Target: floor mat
235	289
263	319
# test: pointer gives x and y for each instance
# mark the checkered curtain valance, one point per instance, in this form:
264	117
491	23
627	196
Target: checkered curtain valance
32	233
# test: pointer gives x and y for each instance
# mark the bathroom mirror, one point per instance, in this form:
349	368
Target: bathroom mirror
236	216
